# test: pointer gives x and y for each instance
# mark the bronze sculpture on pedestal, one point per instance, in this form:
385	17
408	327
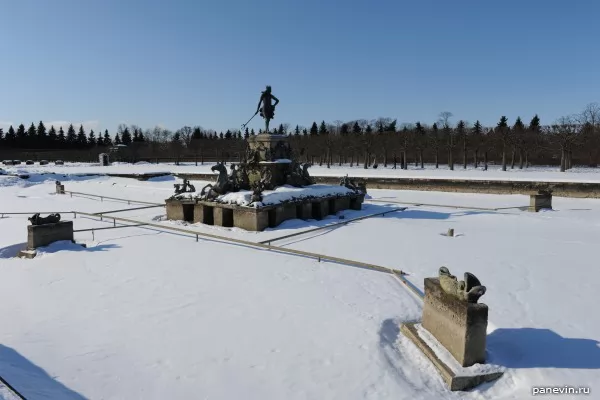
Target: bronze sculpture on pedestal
267	111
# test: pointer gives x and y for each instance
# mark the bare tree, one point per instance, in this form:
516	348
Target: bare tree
589	119
566	132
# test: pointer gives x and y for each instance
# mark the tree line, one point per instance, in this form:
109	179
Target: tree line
571	140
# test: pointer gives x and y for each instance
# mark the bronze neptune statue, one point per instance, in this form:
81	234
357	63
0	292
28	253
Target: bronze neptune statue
267	111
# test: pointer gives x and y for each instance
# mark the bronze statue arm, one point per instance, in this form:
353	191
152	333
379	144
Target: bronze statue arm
276	100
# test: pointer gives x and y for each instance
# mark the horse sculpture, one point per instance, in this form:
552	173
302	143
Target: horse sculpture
50	219
222	186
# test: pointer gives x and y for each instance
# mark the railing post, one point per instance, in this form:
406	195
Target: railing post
114	222
74	215
196	237
93	236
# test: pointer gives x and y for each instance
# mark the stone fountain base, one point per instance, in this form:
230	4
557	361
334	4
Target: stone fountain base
259	218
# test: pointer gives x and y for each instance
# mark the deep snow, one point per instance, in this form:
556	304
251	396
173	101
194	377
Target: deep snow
148	314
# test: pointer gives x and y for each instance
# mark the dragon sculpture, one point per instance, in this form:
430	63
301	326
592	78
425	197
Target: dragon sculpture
469	290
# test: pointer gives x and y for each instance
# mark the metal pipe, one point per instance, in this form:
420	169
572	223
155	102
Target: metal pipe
264	246
332	225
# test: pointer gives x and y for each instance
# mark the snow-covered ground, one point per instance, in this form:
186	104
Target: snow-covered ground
536	173
143	313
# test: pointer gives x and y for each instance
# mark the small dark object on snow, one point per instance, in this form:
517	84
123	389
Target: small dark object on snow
186	187
44	162
50	219
59	162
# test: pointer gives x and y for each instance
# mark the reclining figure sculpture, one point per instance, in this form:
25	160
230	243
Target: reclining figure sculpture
50	219
469	290
184	187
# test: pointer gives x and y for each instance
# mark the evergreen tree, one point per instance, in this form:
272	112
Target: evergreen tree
356	129
52	138
71	137
228	134
1	136
126	137
368	129
11	137
221	135
21	138
305	132
61	140
31	136
297	131
141	137
314	129
81	138
42	139
99	141
117	139
519	124
503	131
280	130
344	130
534	125
107	140
323	129
136	136
252	132
91	139
246	134
196	134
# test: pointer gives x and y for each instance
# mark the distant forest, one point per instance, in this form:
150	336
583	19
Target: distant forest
571	140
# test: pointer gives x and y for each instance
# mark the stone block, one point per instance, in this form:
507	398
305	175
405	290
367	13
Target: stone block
459	326
320	209
43	235
340	204
60	189
203	214
284	212
223	217
178	210
174	210
250	220
356	203
454	381
304	211
538	202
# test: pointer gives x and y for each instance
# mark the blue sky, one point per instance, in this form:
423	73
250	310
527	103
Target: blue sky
175	63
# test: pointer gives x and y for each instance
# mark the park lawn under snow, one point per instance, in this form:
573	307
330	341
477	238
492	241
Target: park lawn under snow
494	172
147	314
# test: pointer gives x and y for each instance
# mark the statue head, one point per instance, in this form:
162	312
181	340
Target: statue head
268	90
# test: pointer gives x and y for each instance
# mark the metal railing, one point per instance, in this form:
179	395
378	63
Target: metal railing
329	226
224	239
444	205
129	201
